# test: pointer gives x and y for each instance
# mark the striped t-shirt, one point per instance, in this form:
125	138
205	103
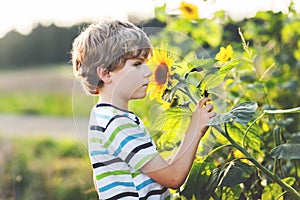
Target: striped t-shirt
119	146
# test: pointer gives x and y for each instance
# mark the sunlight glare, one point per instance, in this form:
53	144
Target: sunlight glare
24	15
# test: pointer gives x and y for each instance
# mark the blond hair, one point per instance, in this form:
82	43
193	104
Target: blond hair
108	44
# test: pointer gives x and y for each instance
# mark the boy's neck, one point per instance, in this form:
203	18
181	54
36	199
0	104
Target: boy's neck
113	101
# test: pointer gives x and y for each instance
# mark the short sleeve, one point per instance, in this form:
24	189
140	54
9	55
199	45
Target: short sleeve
129	141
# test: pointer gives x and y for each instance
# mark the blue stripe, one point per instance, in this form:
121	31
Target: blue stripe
93	153
144	184
115	184
108	117
126	140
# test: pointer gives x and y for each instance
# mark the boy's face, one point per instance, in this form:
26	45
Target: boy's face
131	81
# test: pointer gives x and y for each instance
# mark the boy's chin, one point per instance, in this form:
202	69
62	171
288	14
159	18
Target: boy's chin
136	97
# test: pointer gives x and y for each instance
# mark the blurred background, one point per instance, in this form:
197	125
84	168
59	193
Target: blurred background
43	111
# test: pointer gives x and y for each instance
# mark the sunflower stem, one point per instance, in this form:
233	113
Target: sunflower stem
185	89
187	93
282	184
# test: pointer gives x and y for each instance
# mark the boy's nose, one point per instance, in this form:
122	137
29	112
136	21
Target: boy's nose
148	71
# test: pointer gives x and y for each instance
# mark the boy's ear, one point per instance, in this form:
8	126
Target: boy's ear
104	74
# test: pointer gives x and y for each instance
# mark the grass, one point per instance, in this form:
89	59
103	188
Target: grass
44	90
43	168
36	103
44	103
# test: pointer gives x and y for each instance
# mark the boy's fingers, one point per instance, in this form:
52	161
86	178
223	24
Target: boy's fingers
209	107
212	114
203	101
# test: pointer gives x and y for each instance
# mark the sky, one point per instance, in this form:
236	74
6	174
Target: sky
23	15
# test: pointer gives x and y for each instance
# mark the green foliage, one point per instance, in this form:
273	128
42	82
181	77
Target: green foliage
273	191
233	174
45	44
40	103
170	125
286	151
197	182
63	150
210	76
260	127
241	113
44	168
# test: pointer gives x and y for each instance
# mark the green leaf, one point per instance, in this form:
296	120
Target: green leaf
217	120
208	141
286	151
252	138
213	180
160	13
231	192
235	173
190	184
295	138
273	191
172	124
198	180
291	110
285	122
242	113
201	64
227	67
202	181
214	78
289	180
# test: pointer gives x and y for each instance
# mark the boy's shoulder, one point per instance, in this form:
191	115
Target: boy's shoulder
108	113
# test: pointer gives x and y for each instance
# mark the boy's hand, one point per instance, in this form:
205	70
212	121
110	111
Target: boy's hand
202	114
172	174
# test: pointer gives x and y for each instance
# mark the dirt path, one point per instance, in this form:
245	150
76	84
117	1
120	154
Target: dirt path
56	127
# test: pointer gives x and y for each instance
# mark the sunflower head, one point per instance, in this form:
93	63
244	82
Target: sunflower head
189	11
225	54
161	64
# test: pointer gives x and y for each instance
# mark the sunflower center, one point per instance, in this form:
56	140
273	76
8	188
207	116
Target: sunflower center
188	9
161	74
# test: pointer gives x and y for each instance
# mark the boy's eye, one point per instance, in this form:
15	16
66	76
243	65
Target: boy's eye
138	63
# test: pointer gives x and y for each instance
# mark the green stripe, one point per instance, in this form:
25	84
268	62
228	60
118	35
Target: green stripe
96	140
144	160
118	172
116	131
135	174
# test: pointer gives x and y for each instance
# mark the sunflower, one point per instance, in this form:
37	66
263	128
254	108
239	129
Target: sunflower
189	11
161	64
225	54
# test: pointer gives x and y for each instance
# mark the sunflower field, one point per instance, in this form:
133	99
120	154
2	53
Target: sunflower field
250	69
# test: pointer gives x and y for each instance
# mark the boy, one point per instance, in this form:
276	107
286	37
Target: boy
110	58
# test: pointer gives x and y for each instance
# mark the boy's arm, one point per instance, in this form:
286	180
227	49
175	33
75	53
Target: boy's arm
173	174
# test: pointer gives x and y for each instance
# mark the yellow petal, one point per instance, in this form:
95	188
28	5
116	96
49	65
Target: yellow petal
189	11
